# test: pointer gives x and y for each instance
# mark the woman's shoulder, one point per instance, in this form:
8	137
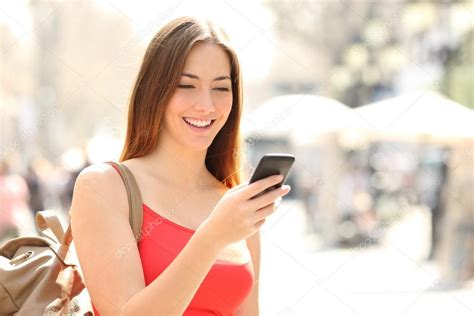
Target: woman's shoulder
99	174
100	183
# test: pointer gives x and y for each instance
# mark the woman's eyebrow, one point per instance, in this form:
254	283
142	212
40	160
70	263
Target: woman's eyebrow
196	77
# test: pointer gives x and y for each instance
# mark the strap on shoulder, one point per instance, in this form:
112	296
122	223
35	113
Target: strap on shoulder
134	201
134	198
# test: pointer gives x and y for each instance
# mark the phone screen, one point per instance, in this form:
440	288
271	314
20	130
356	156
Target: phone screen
272	164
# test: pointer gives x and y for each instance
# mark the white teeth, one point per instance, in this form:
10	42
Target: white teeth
198	123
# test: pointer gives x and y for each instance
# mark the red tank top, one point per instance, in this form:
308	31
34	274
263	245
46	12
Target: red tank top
223	289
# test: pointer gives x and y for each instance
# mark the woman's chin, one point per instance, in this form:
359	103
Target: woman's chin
198	145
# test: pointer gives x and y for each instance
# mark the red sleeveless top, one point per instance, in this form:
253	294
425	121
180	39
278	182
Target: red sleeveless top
223	289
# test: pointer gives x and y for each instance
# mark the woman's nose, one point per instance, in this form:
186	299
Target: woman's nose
204	101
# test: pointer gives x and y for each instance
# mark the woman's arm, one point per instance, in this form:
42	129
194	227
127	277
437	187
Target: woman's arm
250	307
109	256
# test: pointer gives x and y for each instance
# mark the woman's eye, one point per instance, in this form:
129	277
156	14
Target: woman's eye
222	89
185	86
188	86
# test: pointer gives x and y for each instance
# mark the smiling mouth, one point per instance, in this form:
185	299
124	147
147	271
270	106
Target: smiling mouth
197	126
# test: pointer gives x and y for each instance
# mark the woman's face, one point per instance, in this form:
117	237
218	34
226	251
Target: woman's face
204	94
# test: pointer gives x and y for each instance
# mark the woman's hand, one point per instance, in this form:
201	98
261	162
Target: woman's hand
237	215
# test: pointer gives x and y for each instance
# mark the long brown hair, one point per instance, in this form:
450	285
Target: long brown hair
156	82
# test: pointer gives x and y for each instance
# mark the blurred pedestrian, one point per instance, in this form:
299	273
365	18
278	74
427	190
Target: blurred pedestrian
14	195
35	186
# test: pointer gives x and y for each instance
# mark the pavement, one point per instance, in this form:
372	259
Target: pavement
300	278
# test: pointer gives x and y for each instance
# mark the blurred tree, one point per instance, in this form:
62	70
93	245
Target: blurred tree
458	78
366	50
347	39
84	63
45	76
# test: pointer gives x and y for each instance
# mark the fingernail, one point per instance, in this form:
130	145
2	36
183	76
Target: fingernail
286	187
279	177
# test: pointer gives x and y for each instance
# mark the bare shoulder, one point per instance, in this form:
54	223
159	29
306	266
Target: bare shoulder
100	185
99	172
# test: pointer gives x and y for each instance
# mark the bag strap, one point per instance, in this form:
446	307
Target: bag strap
49	225
134	198
134	201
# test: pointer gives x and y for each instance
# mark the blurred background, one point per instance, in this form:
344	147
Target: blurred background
374	98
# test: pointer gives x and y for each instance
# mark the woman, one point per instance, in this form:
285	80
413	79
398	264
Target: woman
200	253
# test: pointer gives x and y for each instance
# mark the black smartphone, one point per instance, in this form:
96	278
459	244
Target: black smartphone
272	164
